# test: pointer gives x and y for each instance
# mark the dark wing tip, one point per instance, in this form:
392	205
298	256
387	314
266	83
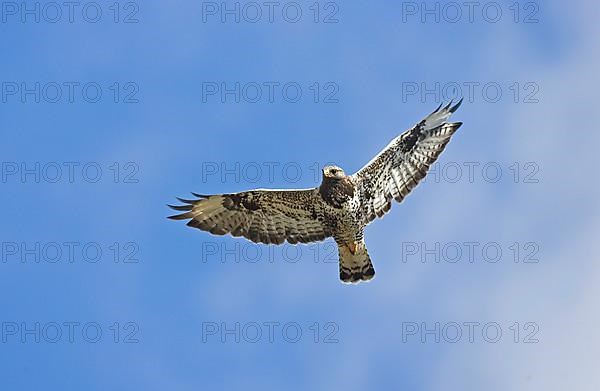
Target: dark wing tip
200	195
182	216
456	106
186	201
437	109
181	207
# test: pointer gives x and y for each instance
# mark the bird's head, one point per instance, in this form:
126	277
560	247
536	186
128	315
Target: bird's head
333	172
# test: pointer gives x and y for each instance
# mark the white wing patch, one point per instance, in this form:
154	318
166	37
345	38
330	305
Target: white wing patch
399	168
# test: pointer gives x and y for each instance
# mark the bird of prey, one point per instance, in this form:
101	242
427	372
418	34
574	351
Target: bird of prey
341	207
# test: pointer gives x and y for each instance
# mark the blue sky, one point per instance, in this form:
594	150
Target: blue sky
84	176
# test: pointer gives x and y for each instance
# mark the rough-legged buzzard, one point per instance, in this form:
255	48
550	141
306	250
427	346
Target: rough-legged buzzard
340	207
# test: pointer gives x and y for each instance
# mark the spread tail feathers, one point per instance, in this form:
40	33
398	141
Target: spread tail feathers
355	263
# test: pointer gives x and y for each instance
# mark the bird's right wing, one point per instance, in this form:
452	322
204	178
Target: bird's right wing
263	216
396	170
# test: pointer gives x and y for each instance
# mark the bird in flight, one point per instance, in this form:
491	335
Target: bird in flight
341	207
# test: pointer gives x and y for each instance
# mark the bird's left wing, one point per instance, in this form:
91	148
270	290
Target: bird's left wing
263	216
396	170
